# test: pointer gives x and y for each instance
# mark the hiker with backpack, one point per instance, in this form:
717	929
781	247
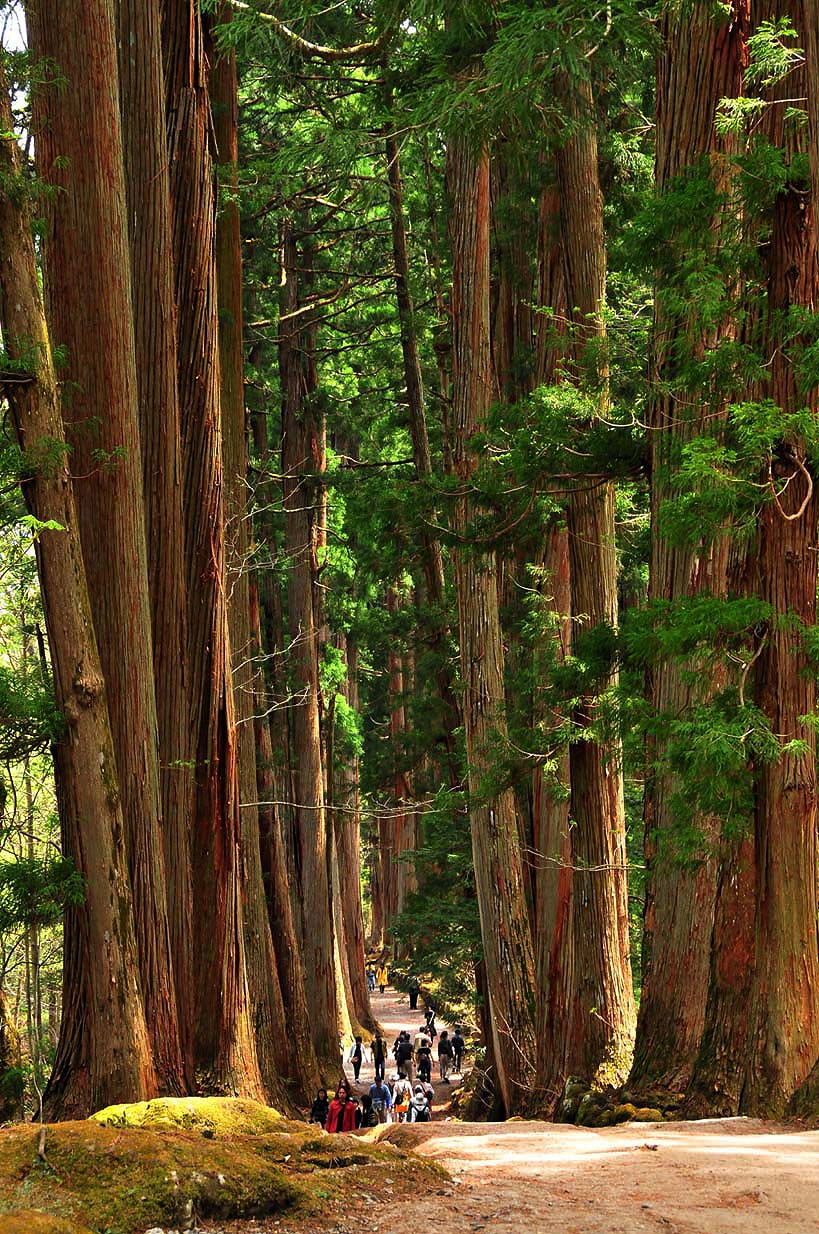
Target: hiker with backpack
404	1054
414	989
401	1096
419	1107
423	1057
369	1117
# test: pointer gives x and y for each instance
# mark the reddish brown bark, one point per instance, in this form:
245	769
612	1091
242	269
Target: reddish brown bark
505	926
103	1053
701	61
266	1003
601	1025
773	1014
301	462
154	308
224	1045
88	292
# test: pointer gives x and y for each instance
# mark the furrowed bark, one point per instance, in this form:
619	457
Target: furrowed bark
701	61
224	1045
88	295
103	1053
499	881
301	456
151	240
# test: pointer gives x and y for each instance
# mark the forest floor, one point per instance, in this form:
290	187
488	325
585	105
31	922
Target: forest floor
732	1176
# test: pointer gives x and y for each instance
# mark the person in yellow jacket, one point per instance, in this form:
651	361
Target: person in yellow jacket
382	977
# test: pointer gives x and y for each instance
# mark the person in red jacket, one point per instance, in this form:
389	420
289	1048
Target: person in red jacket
341	1116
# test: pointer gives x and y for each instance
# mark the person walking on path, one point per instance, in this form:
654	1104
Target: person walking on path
414	989
420	1107
381	1098
458	1051
341	1115
379	1049
382	976
357	1057
445	1056
401	1096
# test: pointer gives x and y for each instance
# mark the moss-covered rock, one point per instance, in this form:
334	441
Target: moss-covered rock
126	1179
28	1222
216	1116
589	1110
647	1115
624	1113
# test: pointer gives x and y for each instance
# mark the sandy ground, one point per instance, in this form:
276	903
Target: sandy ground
732	1176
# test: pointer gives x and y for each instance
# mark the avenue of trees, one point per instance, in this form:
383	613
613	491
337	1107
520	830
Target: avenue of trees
410	544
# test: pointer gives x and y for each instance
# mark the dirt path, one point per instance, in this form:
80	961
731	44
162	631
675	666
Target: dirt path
392	1011
731	1176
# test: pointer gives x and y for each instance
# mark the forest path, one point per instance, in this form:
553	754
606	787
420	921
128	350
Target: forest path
732	1176
392	1010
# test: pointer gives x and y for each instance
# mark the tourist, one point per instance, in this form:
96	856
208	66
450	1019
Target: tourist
320	1107
423	1058
429	1016
369	1118
379	1049
445	1056
342	1112
458	1050
420	1110
404	1055
401	1096
414	990
357	1057
370	978
381	1098
382	976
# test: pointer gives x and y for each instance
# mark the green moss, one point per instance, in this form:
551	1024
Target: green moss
217	1116
123	1179
624	1113
646	1115
29	1222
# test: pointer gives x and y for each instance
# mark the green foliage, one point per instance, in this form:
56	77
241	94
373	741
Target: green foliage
36	890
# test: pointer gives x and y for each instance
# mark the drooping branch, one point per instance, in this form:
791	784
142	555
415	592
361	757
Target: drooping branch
315	51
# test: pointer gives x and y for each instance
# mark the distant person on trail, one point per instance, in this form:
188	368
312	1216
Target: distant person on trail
357	1057
458	1051
445	1056
379	1049
414	990
424	1059
382	977
419	1107
404	1054
320	1107
341	1116
381	1098
370	978
429	1016
401	1096
421	1038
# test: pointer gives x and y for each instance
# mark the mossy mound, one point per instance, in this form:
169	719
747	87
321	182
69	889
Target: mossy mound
29	1222
215	1116
124	1180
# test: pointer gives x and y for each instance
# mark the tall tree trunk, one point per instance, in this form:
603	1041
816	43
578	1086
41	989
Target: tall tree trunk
225	1051
151	237
431	556
88	292
776	1024
300	1064
266	1003
348	841
701	61
103	1053
301	451
601	1026
505	928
